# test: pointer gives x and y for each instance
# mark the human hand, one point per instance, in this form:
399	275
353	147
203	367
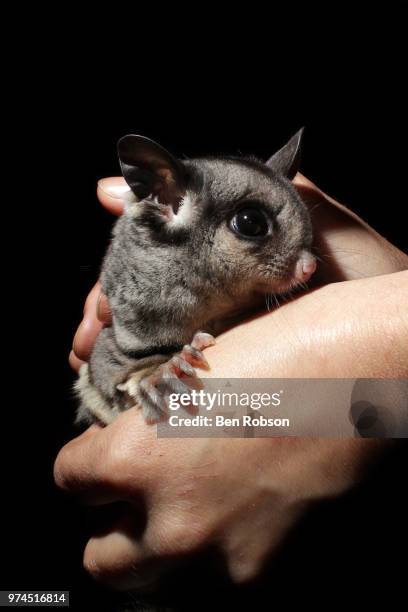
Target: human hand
235	497
193	493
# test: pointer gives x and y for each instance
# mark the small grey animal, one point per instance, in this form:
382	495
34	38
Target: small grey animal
201	242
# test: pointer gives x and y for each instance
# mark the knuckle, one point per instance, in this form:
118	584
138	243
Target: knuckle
247	556
116	570
79	466
245	571
182	533
62	475
98	566
91	565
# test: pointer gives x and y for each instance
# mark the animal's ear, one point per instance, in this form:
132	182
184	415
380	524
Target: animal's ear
286	161
149	169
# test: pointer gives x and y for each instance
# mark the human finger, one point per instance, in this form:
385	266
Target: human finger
110	192
90	325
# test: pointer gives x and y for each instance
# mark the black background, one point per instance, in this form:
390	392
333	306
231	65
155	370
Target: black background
74	110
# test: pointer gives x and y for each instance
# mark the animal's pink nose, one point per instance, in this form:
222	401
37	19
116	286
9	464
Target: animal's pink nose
305	267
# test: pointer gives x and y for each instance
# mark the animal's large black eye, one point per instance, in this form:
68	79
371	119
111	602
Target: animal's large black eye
250	223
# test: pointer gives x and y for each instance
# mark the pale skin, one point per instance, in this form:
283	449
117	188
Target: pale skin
241	496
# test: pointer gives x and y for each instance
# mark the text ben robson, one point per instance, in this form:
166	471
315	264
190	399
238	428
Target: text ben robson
222	421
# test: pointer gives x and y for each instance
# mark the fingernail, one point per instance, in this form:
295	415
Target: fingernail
114	187
98	307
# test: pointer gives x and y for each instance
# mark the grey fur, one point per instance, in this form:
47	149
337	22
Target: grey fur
174	266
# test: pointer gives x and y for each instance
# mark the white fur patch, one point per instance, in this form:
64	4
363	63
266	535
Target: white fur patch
184	216
130	201
185	213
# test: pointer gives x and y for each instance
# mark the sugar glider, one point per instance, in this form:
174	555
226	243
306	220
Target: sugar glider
199	240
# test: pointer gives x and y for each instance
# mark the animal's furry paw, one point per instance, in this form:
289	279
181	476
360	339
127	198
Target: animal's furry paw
177	375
